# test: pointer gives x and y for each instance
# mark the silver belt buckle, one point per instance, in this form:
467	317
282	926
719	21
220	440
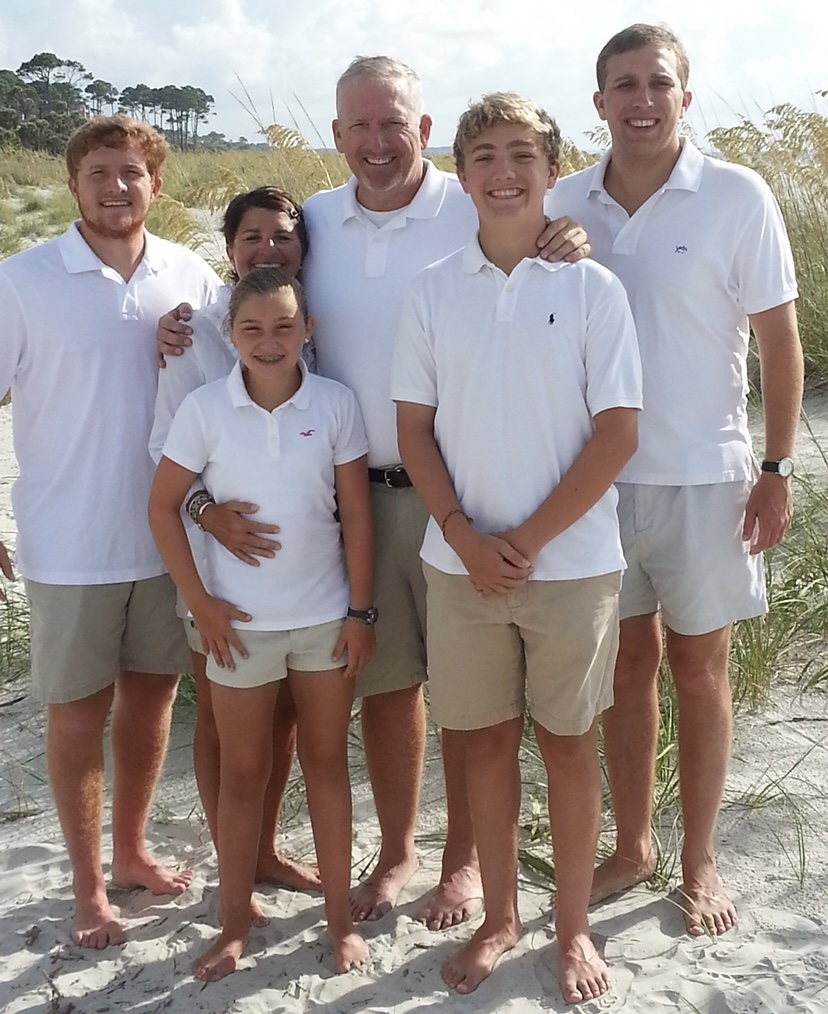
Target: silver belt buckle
388	472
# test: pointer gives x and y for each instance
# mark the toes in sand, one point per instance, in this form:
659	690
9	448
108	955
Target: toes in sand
474	962
583	972
221	959
350	950
142	871
457	898
283	872
707	909
378	894
94	925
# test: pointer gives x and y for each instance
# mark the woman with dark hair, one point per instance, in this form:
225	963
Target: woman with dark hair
261	227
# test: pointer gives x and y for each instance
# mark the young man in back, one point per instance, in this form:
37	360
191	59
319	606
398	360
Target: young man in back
518	387
78	346
701	249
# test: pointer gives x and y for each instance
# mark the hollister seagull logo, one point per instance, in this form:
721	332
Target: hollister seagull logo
308	433
681	249
551	318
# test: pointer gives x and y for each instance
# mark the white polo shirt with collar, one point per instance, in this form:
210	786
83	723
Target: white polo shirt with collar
701	254
283	461
517	367
357	274
78	352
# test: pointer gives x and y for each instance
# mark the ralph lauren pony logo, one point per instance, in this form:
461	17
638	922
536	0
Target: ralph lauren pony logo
551	318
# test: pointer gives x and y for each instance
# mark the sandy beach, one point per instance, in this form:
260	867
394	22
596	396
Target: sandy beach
773	857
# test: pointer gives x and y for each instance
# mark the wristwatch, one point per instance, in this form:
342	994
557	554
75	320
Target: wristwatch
367	616
783	467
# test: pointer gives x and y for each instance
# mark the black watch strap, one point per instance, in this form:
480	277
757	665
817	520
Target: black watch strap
367	616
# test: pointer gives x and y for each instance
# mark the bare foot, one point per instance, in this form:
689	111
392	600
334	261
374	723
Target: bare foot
617	874
706	907
141	870
221	959
350	950
457	898
283	872
584	974
378	894
94	924
468	967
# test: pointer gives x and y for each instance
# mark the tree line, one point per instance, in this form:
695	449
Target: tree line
46	98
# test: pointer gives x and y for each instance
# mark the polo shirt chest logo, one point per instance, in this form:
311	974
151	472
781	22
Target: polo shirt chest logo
307	433
681	249
551	318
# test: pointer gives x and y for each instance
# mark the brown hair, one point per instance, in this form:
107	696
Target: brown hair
637	37
270	198
116	132
505	107
262	282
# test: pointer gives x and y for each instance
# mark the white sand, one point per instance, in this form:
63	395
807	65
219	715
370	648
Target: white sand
773	861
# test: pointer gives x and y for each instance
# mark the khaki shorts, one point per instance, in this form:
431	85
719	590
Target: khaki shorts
272	652
685	554
400	519
555	639
84	635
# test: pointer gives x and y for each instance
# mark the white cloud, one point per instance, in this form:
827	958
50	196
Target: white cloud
745	54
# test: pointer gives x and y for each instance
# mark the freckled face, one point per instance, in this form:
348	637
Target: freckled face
114	191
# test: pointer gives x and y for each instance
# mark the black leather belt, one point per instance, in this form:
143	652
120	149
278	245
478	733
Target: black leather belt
394	478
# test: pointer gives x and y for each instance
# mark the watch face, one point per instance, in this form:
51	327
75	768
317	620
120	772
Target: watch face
786	468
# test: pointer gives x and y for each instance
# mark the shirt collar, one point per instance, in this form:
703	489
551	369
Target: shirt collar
475	260
426	203
78	256
686	174
240	398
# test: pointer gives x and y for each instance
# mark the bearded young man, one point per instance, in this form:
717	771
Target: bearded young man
79	315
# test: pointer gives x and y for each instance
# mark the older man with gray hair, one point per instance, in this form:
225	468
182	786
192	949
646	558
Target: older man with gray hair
368	239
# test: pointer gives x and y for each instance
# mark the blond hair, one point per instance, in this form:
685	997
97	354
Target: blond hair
505	107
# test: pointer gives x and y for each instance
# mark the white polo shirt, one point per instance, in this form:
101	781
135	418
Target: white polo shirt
78	351
284	461
517	366
701	254
357	273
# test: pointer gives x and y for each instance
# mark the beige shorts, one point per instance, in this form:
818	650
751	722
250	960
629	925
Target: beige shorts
272	652
556	640
685	554
400	519
84	635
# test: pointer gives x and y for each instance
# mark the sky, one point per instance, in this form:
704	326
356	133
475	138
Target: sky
745	55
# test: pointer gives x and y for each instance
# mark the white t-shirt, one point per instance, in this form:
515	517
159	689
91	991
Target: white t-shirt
517	366
701	254
283	461
78	351
357	274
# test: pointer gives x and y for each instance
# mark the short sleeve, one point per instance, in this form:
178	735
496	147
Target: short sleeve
351	442
413	367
